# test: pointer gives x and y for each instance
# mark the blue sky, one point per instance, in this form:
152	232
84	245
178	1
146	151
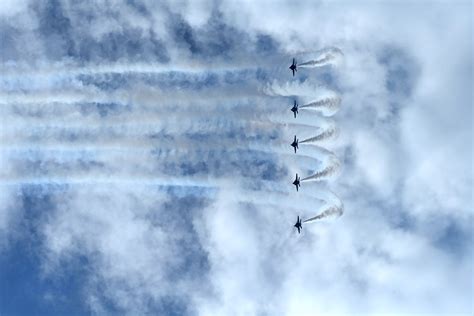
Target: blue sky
146	166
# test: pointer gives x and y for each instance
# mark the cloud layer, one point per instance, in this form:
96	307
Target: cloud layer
146	166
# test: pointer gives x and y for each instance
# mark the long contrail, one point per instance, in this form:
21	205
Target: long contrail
140	94
144	122
42	108
63	69
141	161
99	179
142	134
161	148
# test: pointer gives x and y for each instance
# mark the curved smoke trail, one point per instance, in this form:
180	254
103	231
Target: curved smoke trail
329	133
335	211
327	106
328	56
334	207
331	169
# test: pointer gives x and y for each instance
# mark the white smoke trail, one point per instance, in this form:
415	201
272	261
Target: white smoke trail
20	118
173	148
330	133
334	207
123	162
275	200
328	106
104	180
335	211
327	56
200	123
142	108
329	103
170	133
75	91
315	97
117	146
331	169
293	88
64	69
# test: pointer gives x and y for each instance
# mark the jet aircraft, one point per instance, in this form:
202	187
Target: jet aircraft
298	225
294	109
297	182
293	67
294	144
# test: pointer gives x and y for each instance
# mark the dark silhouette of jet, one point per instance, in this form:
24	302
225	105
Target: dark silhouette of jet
293	67
294	144
297	182
298	225
294	109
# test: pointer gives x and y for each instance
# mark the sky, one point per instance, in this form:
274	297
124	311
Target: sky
146	166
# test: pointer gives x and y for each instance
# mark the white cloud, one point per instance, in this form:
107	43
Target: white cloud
10	8
399	271
419	160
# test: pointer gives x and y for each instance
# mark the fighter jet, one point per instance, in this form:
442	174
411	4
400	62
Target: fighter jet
293	67
294	109
298	225
294	144
297	182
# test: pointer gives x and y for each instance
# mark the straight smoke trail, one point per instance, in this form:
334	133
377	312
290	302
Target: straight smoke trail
101	180
328	56
274	200
141	163
246	114
71	69
242	107
120	87
335	211
330	133
134	134
147	122
293	88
